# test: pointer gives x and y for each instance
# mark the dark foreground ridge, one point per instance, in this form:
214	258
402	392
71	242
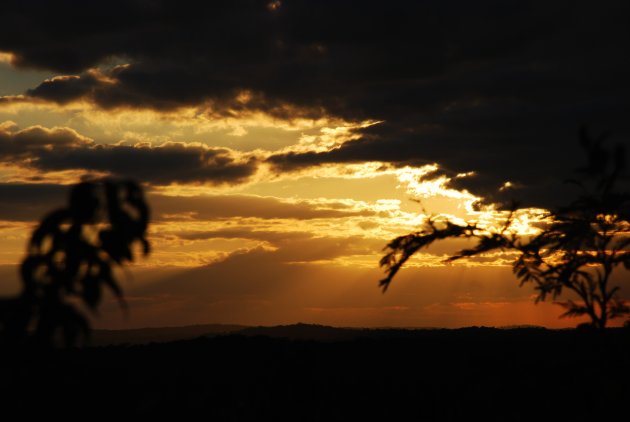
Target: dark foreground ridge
496	374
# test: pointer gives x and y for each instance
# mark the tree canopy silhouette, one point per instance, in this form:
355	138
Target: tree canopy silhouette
579	248
70	261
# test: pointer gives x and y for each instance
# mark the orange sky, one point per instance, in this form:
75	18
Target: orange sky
275	179
278	249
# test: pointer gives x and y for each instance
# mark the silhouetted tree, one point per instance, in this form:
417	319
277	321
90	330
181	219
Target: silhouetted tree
580	247
71	257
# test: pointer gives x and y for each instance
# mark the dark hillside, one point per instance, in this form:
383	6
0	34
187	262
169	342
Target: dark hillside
159	335
499	375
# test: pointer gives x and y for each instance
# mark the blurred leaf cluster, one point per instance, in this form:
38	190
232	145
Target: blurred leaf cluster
71	259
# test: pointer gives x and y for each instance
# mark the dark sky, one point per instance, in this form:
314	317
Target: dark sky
499	88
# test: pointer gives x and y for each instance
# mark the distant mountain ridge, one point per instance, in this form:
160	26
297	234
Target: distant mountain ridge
160	334
299	331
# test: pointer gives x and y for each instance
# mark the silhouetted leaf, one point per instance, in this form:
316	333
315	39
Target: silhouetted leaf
84	203
91	291
63	262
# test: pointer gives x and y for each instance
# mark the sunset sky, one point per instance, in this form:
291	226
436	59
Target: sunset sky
283	143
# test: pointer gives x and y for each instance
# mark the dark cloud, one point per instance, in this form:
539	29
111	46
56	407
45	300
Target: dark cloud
63	89
27	143
162	165
296	246
30	202
230	206
487	86
244	233
537	164
64	149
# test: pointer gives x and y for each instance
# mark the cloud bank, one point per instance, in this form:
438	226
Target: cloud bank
475	86
60	148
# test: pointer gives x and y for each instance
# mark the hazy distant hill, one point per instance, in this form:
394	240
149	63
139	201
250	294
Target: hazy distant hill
298	331
159	335
305	332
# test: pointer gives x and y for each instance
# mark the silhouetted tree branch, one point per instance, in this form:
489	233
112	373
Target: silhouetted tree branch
71	257
579	249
